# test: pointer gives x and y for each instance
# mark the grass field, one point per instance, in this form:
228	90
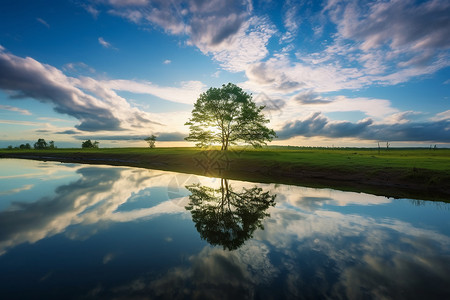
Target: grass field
412	173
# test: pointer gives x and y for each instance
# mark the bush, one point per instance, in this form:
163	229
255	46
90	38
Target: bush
89	144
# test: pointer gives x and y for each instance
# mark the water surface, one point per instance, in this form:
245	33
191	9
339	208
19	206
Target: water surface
73	231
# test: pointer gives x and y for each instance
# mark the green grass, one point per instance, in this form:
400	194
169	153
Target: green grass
342	159
415	173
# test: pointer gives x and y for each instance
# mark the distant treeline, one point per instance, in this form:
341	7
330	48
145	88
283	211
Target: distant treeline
41	144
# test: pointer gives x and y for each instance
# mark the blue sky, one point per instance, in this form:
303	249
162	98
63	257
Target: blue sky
342	73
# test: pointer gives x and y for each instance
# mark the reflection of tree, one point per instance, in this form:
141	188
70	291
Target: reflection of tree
225	217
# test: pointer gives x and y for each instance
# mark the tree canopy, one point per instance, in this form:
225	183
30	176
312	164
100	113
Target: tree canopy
40	144
151	140
228	116
89	144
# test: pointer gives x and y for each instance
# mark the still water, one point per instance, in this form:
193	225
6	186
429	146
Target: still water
73	231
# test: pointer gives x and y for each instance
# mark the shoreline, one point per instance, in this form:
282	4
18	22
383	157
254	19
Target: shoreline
392	182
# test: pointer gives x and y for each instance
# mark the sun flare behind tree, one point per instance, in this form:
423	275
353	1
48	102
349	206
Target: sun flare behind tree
228	116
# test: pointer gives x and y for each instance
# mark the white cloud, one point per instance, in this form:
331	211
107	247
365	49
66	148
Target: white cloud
128	2
91	9
248	46
280	74
43	22
16	109
398	39
187	93
291	20
167	61
53	119
317	124
26	77
445	115
104	43
23	123
78	67
383	43
223	28
400	117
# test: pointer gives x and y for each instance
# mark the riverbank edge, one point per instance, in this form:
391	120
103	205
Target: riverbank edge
388	182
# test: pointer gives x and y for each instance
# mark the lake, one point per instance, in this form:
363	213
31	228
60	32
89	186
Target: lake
74	231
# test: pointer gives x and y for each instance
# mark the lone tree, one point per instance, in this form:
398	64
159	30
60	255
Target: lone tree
40	144
89	144
227	116
151	140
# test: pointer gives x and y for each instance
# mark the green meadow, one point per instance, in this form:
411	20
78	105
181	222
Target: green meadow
416	173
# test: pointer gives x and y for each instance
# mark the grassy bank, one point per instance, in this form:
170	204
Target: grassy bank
410	173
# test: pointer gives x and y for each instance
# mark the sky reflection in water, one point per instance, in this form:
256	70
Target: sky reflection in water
92	232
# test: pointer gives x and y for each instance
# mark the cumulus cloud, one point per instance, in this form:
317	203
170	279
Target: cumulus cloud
167	15
310	97
414	35
226	30
383	43
214	23
401	117
281	74
247	46
26	77
399	24
318	125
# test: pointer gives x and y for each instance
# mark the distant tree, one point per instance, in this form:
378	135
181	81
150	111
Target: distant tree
40	144
89	144
10	147
25	146
51	145
151	140
227	116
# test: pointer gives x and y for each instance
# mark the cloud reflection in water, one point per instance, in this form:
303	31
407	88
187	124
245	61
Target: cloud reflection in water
312	243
